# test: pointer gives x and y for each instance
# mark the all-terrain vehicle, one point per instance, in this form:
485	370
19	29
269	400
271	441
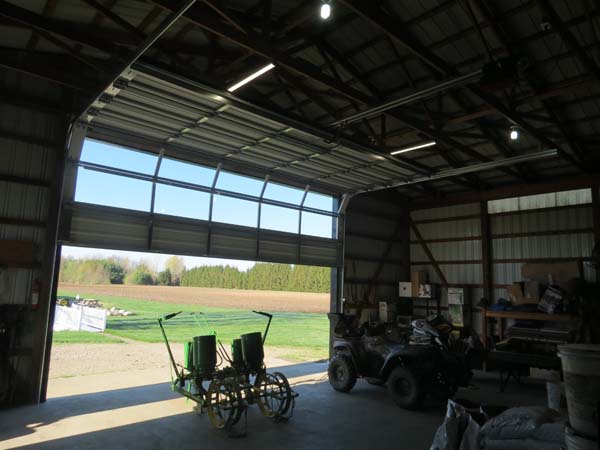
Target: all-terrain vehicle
413	363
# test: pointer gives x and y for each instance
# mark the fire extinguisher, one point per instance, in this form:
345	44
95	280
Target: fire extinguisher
35	294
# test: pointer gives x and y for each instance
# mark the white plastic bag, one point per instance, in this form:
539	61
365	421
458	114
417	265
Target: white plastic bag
458	432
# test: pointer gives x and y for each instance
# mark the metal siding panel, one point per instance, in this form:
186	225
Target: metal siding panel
447	251
506	273
450	229
445	212
560	246
23	159
536	221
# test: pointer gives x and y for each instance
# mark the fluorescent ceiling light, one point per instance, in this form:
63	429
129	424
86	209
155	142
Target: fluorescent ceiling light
325	11
414	147
248	79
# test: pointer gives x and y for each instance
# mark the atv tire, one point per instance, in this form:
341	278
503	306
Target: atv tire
405	388
342	373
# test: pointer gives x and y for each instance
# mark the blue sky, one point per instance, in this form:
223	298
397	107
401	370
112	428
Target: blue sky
112	190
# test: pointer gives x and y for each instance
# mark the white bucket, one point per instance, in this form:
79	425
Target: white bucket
581	369
575	442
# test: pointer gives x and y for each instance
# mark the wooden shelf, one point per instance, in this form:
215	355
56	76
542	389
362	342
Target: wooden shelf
528	316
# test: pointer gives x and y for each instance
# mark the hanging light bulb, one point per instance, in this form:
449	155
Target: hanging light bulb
514	133
325	10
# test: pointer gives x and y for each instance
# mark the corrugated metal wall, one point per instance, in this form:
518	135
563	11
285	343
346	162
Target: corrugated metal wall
546	228
556	234
453	236
375	250
32	136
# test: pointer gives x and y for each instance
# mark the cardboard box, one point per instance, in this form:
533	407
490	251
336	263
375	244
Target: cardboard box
418	278
524	292
560	273
405	289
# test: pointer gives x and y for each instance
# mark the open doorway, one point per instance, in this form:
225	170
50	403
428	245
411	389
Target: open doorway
134	289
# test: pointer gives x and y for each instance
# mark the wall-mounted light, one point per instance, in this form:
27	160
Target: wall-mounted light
325	11
249	78
414	147
514	133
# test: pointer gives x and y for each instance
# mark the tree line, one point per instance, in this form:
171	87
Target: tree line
262	276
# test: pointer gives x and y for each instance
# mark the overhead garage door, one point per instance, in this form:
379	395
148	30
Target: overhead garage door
201	128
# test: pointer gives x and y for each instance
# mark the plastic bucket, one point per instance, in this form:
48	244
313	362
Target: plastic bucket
575	442
581	369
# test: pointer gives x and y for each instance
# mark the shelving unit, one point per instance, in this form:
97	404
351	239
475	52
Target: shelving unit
518	315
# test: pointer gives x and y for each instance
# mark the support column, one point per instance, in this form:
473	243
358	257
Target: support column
596	213
487	270
42	316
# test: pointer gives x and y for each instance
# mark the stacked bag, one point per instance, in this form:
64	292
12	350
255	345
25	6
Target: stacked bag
524	428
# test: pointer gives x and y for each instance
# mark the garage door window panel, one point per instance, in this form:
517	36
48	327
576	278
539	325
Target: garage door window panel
109	190
180	202
279	219
108	155
186	172
235	211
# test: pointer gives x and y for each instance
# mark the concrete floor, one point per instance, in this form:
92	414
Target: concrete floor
106	412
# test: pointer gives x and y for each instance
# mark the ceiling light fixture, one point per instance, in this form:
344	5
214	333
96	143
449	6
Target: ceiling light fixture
414	147
325	11
514	133
249	78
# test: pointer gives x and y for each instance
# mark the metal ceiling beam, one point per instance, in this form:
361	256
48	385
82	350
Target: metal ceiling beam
470	169
143	47
57	27
410	98
385	25
568	37
45	69
205	20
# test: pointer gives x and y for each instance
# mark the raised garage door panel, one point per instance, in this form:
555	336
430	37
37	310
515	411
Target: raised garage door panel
114	228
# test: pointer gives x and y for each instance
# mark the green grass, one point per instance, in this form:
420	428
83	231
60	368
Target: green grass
83	337
306	334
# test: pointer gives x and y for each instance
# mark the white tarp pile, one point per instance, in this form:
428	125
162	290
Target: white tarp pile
79	318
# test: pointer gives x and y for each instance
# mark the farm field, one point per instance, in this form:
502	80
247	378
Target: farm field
136	342
221	298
